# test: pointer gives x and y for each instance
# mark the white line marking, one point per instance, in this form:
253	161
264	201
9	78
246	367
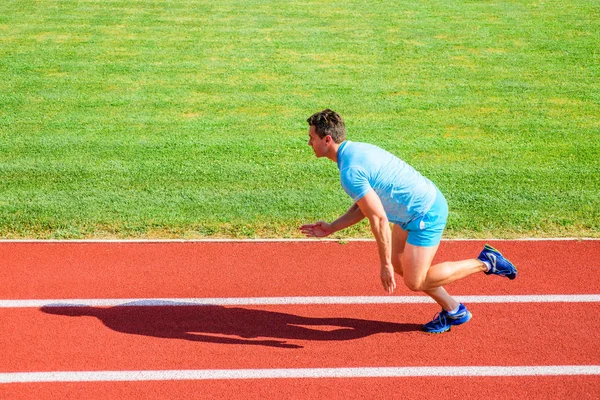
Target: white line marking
252	301
367	372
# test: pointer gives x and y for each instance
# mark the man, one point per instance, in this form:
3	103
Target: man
386	189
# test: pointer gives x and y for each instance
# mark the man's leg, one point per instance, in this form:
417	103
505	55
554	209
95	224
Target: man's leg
416	262
399	237
399	244
424	277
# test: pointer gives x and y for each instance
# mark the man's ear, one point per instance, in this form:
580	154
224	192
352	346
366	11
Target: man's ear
328	139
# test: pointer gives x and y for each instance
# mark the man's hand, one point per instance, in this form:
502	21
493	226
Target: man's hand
387	278
318	229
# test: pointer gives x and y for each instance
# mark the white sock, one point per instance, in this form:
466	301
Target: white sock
488	265
455	310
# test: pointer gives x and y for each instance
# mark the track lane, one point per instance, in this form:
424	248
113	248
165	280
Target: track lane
252	337
270	269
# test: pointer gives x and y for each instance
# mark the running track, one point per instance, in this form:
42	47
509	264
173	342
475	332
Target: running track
246	320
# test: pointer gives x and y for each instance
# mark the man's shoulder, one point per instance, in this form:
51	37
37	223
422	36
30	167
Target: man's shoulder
359	145
359	153
365	148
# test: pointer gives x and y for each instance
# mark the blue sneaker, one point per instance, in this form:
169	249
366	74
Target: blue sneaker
443	321
500	265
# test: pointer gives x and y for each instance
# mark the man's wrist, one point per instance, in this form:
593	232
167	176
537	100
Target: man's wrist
331	227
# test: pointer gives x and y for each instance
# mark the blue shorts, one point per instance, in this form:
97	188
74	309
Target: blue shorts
426	230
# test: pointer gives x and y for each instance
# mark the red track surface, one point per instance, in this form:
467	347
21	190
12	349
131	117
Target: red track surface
289	336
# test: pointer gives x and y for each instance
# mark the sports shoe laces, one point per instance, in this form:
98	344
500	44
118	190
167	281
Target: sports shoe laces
439	319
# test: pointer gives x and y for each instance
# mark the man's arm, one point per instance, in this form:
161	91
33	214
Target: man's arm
370	205
321	228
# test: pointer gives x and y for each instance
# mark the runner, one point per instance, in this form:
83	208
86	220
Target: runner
386	189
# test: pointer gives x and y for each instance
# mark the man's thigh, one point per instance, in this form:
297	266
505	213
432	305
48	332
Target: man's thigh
399	237
416	261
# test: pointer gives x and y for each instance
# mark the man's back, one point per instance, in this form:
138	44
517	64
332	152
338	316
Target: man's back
404	192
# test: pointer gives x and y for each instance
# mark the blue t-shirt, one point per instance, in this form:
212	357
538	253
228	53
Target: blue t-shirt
404	192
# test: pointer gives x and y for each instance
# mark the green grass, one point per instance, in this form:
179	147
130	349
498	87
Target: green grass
186	118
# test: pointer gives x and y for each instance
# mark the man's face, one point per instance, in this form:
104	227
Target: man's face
318	145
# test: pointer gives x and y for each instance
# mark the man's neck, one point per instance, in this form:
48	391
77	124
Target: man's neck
333	152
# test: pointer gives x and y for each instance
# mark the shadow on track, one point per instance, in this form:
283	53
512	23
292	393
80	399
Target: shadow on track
227	325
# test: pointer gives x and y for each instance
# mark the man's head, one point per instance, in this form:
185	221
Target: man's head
328	122
326	131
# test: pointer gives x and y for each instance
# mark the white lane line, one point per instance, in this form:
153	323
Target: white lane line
250	301
367	372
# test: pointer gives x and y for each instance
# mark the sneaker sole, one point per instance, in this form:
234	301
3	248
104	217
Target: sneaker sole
437	332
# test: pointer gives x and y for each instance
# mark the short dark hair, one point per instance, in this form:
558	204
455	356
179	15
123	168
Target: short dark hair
328	122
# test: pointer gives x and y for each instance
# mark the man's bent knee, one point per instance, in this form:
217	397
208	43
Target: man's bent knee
416	285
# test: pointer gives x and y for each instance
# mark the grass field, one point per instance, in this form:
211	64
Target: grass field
186	118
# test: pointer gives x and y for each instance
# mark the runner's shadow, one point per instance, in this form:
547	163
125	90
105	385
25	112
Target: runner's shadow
227	325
